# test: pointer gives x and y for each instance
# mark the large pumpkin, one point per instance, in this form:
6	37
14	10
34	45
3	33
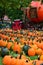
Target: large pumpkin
35	12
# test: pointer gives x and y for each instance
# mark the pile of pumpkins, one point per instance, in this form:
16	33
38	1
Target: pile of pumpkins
8	60
24	43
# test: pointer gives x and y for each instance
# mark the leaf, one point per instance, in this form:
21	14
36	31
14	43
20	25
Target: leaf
1	61
13	54
33	57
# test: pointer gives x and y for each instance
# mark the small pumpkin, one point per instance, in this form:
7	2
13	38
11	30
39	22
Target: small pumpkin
17	48
23	57
39	44
39	62
7	60
25	48
41	57
34	46
39	51
31	52
9	45
13	61
42	45
4	43
4	51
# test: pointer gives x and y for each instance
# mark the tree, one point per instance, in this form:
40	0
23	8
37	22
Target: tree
12	7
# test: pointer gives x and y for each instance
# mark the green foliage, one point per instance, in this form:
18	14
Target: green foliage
33	57
14	14
12	8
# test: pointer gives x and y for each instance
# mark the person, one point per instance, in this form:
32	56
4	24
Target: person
5	17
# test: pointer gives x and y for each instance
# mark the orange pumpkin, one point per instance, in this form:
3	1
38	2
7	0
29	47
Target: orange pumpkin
22	61
3	43
7	60
39	62
18	62
34	46
9	45
41	57
31	52
42	52
13	61
39	44
42	45
39	51
23	57
39	10
17	48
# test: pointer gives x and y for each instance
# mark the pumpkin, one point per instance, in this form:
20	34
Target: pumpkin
17	48
12	39
22	61
38	44
28	62
42	45
41	57
18	62
34	46
13	61
7	60
23	57
39	11
30	42
39	51
9	45
31	52
7	38
25	48
4	51
4	43
42	52
39	62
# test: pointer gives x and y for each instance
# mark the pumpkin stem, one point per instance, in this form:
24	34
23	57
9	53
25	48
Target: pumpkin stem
34	62
38	57
21	55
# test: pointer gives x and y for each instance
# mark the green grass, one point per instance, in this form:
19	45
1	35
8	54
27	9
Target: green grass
1	61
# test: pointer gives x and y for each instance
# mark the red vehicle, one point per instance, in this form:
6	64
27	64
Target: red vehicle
17	24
